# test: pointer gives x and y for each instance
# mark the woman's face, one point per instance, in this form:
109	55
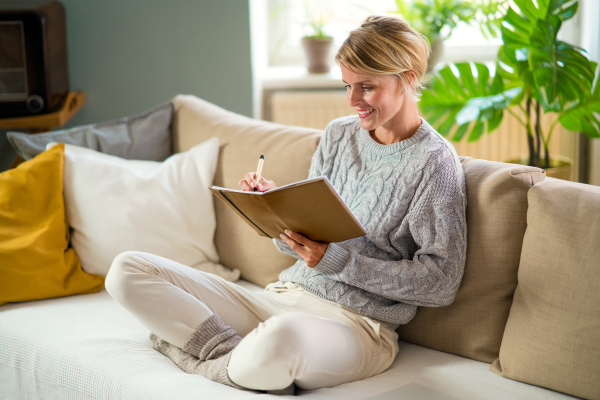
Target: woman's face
379	100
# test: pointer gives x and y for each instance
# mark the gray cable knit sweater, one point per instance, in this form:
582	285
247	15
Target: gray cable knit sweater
410	196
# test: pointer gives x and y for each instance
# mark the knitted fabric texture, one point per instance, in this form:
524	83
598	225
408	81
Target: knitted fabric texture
205	342
207	352
215	369
410	197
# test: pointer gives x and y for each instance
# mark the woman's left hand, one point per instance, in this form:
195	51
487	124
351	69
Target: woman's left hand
309	250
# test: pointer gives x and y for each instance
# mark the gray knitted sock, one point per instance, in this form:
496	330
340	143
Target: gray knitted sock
215	369
212	339
207	353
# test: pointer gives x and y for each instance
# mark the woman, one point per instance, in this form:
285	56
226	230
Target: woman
332	316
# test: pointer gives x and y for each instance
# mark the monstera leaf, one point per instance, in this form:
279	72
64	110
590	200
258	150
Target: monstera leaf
555	72
467	100
562	74
535	72
518	27
585	117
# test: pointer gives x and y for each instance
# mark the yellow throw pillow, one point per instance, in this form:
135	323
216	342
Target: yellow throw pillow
36	261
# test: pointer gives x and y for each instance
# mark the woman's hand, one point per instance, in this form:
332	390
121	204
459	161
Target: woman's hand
312	252
248	183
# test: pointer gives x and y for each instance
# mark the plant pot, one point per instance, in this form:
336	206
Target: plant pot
317	54
560	167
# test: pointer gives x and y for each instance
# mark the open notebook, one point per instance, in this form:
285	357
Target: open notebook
311	207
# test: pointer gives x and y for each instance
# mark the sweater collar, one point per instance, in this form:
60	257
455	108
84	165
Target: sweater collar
387	149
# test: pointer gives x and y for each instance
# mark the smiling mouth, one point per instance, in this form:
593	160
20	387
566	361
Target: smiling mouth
366	113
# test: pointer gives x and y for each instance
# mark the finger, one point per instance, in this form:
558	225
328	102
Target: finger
287	240
291	242
260	184
297	237
244	185
267	185
250	179
254	180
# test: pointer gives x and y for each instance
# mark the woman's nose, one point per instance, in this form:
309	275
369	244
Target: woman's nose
353	97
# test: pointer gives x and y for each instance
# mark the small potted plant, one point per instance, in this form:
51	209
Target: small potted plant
535	73
317	44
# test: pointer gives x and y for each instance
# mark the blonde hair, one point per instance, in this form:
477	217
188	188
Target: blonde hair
387	46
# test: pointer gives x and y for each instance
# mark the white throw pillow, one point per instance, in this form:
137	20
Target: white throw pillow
165	208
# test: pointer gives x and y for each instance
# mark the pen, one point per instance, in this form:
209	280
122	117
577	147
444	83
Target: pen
261	160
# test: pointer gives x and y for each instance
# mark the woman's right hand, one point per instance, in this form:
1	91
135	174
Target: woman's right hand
248	183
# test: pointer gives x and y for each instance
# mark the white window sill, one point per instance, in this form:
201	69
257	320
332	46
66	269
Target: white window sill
297	77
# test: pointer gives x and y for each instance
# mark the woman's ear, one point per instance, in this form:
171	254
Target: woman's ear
412	78
409	81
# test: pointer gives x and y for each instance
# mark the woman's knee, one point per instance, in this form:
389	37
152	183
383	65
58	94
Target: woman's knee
280	336
269	357
121	271
280	341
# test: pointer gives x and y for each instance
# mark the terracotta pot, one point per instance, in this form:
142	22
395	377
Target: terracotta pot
317	54
560	167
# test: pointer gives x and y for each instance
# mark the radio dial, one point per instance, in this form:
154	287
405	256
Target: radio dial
35	104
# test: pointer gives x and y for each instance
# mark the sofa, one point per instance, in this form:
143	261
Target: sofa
525	323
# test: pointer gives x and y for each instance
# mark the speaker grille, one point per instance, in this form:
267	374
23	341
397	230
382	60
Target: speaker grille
13	71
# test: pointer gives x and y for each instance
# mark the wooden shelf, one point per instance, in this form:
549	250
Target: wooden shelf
46	122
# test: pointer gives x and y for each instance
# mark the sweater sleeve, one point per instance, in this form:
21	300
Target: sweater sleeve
437	224
284	248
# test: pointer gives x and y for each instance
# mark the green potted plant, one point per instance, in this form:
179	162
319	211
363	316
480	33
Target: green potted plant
534	72
317	44
436	19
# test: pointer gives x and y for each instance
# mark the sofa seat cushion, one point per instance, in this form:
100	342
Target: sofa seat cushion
472	326
552	336
89	347
288	151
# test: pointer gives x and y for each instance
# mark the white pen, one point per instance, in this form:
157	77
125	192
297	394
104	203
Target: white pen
261	161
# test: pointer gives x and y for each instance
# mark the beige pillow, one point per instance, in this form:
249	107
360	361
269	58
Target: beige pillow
288	151
552	337
473	324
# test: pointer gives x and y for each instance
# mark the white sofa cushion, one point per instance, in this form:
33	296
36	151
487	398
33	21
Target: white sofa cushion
165	208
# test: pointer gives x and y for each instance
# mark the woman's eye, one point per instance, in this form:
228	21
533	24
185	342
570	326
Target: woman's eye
364	88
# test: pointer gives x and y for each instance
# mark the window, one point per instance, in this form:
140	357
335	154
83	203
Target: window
287	21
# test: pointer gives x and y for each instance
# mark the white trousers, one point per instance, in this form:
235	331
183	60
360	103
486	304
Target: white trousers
289	335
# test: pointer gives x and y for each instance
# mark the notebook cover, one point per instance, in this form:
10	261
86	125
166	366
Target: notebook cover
311	207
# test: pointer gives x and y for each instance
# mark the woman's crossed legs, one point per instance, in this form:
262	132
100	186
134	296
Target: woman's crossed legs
279	346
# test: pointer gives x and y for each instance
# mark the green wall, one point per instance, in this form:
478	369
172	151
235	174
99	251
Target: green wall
130	55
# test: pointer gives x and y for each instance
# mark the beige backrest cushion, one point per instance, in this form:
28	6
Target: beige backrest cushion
552	337
288	151
473	324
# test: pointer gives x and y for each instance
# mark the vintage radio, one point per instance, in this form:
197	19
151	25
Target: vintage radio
34	77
